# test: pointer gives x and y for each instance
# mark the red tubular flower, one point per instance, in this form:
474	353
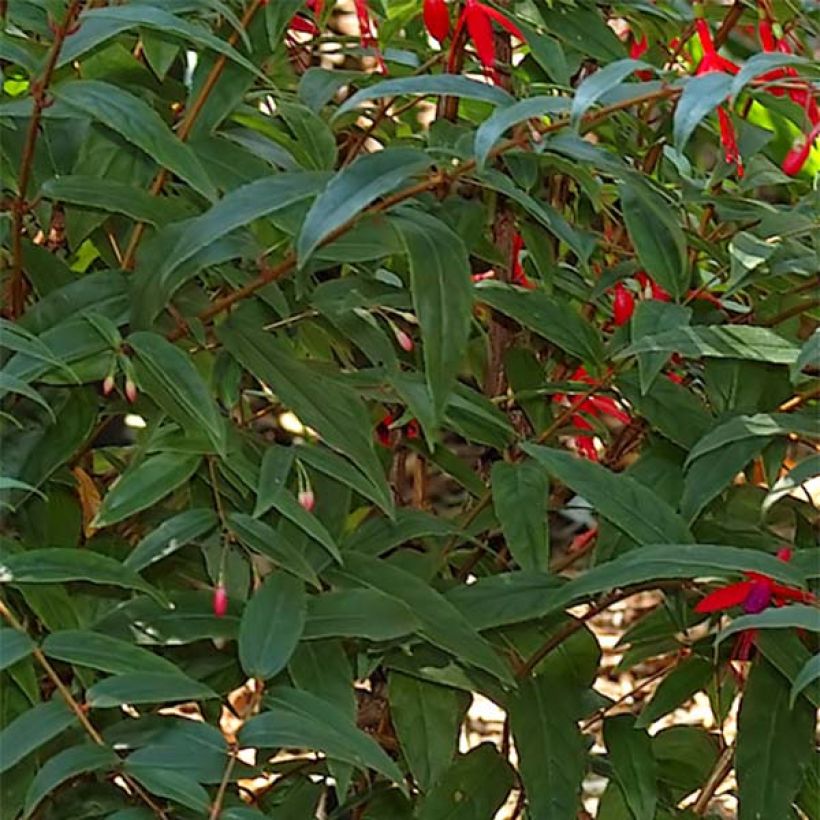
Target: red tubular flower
798	154
651	289
436	19
383	430
585	444
220	601
623	305
519	277
728	139
367	32
478	18
636	50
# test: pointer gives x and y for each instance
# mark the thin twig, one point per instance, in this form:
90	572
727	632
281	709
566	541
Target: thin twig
39	92
718	775
223	787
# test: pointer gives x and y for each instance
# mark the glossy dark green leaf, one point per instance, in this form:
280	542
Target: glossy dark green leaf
54	564
302	720
145	484
172	785
807	676
774	745
264	539
599	83
657	236
427	718
633	764
272	625
630	506
277	462
701	95
353	189
63	766
475	786
687	678
546	316
520	501
30	730
442	297
312	133
135	120
171	535
442	624
654	316
787	652
14	646
85	648
146	687
358	613
797	477
725	342
795	616
431	85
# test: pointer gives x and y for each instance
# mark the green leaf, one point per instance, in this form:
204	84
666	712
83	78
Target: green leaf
549	744
110	195
146	687
774	745
475	786
795	616
333	410
762	63
491	130
169	377
63	766
85	648
172	785
11	384
303	720
599	83
427	718
277	462
353	189
442	297
725	342
654	316
676	688
701	95
272	625
171	535
237	208
807	675
442	624
629	505
142	486
547	316
54	564
798	476
264	539
520	494
311	133
784	649
358	613
633	764
135	120
29	731
657	236
451	85
14	646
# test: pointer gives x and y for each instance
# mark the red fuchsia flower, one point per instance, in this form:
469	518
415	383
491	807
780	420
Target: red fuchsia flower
367	32
623	305
478	18
712	61
384	431
436	19
220	601
753	595
519	276
651	289
798	154
637	48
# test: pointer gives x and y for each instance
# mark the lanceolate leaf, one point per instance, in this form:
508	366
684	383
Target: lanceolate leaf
807	676
29	731
701	95
799	616
171	535
442	297
634	765
14	646
630	506
135	120
603	80
146	687
353	189
272	625
358	613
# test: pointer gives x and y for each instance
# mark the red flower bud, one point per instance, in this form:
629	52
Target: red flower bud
794	161
108	384
404	340
436	19
306	499
220	601
623	305
130	390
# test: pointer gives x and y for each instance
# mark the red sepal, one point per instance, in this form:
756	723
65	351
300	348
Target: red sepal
725	597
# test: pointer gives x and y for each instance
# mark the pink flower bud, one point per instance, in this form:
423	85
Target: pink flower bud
220	602
307	500
108	384
404	340
130	390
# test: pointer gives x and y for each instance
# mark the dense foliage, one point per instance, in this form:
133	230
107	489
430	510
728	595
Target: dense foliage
355	357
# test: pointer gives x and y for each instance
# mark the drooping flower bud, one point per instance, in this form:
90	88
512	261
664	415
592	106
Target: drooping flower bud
108	384
794	161
130	390
220	600
405	341
623	305
436	19
306	499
